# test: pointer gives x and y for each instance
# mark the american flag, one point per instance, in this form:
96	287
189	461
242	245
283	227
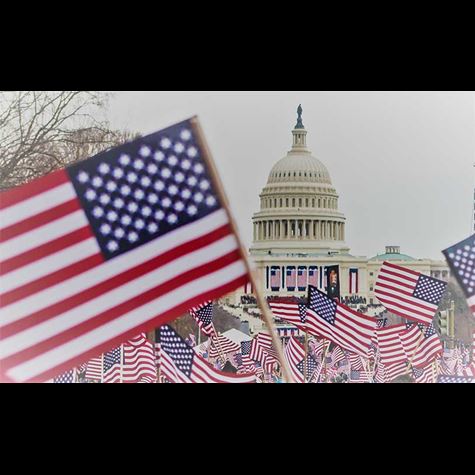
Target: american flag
139	360
428	348
408	293
411	338
424	375
355	360
247	362
121	243
460	257
94	369
313	276
391	349
391	371
261	342
291	312
335	356
454	379
294	353
275	278
203	315
180	364
302	278
112	366
67	377
291	278
317	347
220	346
359	376
337	322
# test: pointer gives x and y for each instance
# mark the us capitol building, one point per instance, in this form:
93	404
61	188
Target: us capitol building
299	231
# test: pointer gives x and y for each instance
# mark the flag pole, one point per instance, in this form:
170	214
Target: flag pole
207	157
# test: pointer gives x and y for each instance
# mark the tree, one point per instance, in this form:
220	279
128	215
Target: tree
41	131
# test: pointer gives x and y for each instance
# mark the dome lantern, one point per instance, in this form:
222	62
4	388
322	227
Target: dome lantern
299	133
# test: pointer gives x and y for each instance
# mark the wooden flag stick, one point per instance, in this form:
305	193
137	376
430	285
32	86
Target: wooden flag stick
218	186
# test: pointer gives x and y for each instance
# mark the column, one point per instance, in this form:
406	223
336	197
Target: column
288	228
312	230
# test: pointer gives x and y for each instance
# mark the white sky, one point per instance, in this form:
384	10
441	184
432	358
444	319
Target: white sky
402	162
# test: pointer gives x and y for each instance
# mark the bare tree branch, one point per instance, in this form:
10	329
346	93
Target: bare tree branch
41	131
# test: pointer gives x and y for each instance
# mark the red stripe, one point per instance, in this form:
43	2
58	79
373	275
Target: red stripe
51	279
120	309
35	187
44	250
395	281
156	322
394	266
116	281
39	219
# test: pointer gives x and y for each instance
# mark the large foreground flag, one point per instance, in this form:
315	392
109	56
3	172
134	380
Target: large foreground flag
93	254
407	293
179	363
337	322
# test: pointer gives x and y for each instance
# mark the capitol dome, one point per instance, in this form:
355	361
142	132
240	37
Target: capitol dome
299	205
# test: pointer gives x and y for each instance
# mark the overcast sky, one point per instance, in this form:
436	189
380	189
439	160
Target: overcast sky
402	162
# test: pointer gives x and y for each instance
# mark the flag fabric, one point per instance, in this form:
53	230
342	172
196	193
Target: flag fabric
424	375
394	370
294	354
203	315
291	278
261	342
67	377
139	360
247	362
429	348
180	364
275	278
112	366
317	347
359	376
339	323
454	379
292	312
220	346
117	244
302	278
353	284
336	355
408	293
460	258
411	338
355	360
94	369
313	276
391	349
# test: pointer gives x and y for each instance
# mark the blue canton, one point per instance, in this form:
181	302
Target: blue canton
144	189
429	290
181	354
324	306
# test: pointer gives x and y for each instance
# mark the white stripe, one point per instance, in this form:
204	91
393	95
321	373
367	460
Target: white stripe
49	264
111	268
127	291
126	322
43	234
36	204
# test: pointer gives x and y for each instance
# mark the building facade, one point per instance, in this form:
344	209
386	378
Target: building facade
299	231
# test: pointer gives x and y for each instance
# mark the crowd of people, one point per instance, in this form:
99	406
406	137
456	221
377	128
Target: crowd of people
353	300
